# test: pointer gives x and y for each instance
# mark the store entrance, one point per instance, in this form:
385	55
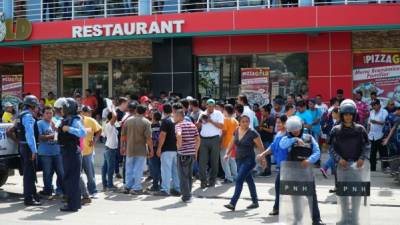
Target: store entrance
78	76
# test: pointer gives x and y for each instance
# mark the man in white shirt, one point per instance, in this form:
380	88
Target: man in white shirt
211	123
376	122
242	99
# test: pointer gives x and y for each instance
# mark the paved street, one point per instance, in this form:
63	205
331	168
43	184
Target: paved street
206	208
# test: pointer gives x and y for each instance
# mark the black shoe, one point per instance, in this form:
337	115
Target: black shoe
161	193
332	190
319	222
211	184
230	207
85	201
186	200
32	203
45	193
118	176
67	209
253	206
203	185
153	189
175	193
274	212
136	192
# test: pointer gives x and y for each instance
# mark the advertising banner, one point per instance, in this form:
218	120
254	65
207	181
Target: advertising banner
379	72
255	85
11	85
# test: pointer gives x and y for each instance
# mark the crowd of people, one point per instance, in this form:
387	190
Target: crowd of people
181	139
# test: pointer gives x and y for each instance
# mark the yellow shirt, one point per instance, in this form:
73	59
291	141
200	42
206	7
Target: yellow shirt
230	125
95	127
8	117
49	102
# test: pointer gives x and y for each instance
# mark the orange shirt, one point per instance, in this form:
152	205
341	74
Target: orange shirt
230	126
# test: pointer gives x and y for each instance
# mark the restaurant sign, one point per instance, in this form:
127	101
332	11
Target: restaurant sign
127	28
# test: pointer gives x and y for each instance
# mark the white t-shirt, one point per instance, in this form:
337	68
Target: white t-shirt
111	134
208	129
376	130
248	112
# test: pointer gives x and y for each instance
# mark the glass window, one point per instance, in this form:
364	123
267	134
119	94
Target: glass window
72	79
220	76
131	76
98	77
288	72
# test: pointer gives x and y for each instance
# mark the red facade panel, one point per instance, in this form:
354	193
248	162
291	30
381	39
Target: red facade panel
288	43
318	64
245	43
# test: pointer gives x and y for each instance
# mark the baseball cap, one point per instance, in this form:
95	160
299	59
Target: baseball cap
210	101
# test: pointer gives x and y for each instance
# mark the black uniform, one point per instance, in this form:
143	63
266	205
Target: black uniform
72	161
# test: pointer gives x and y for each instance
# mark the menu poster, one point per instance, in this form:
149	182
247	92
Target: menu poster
377	71
11	85
255	85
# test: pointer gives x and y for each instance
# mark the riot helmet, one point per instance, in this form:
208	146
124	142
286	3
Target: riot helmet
31	101
348	106
68	105
294	123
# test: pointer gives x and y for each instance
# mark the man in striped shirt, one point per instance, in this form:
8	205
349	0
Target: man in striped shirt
188	143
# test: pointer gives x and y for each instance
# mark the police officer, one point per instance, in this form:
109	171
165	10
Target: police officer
302	147
25	131
70	131
350	144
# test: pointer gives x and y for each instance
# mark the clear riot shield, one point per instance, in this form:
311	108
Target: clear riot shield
353	191
296	194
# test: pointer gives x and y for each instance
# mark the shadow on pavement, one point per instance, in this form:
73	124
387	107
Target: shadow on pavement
175	205
229	215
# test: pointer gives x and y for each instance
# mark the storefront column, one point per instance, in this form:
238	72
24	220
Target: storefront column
31	58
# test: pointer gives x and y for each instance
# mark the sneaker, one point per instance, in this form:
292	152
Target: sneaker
85	201
94	196
324	173
175	193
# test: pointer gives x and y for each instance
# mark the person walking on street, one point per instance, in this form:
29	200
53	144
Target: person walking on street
211	123
230	125
188	143
111	149
245	139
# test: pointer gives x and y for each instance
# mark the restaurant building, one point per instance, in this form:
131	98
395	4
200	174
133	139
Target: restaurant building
309	50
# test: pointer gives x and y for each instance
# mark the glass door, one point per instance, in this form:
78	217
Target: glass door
98	77
72	79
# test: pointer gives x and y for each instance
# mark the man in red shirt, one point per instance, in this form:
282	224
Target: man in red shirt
90	100
362	109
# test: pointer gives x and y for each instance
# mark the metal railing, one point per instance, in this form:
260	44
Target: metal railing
50	10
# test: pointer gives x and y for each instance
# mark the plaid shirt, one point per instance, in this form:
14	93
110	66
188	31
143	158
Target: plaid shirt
362	111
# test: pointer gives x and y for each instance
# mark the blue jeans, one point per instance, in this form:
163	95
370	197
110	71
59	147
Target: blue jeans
88	168
107	171
51	164
329	164
134	172
245	166
155	171
229	166
169	170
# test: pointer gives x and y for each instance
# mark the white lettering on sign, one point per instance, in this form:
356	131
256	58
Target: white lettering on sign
124	29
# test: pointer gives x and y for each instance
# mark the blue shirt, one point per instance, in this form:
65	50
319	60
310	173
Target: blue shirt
316	114
280	154
77	129
306	117
287	143
29	122
47	147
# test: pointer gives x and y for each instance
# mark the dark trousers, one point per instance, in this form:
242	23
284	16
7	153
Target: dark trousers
29	170
72	161
209	150
377	147
155	171
185	168
277	188
245	166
